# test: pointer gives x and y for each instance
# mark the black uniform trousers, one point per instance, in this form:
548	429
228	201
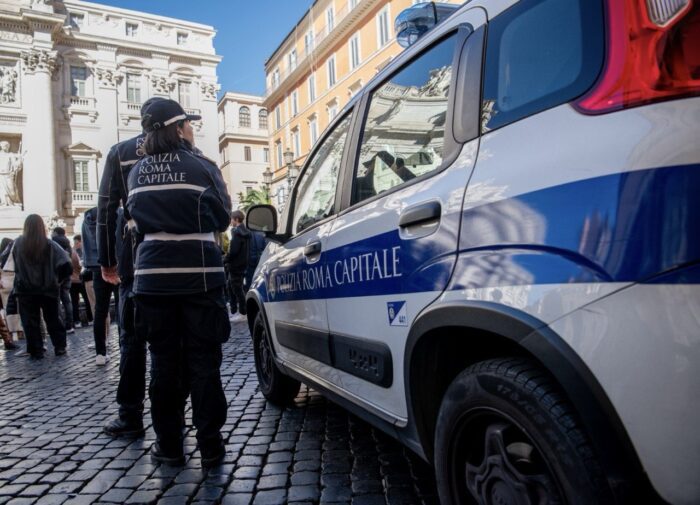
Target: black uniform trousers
132	361
185	333
103	296
30	309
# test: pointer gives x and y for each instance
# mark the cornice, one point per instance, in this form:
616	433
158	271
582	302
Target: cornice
43	21
15	26
139	15
123	45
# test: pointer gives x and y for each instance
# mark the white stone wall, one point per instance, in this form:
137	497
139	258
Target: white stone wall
41	40
239	173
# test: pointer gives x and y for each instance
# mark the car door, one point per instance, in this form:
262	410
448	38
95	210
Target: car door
296	307
392	251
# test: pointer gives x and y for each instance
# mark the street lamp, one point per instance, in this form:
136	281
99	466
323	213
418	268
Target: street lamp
292	169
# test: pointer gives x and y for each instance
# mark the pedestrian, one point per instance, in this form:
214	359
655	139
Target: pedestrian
103	290
5	245
237	261
179	281
115	257
7	294
257	245
41	265
77	286
58	235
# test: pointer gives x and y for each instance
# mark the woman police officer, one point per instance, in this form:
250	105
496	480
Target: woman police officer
178	202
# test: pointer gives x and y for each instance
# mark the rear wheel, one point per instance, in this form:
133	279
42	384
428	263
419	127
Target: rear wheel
506	436
280	389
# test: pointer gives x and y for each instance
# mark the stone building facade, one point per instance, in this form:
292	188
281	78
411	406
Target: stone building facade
244	152
73	76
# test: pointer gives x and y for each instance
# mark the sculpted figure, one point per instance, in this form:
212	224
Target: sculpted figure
10	170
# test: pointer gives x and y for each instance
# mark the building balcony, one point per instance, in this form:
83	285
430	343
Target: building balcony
81	200
80	105
129	112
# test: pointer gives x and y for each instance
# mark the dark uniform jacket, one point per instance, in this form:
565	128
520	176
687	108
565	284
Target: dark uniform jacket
178	201
113	193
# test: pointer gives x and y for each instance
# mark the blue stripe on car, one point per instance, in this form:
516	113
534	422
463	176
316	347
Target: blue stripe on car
624	227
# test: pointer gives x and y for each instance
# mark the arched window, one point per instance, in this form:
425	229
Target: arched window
244	117
262	119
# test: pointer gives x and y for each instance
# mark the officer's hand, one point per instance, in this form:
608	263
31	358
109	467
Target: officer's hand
109	274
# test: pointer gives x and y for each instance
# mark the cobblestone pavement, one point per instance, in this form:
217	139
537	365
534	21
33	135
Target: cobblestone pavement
52	450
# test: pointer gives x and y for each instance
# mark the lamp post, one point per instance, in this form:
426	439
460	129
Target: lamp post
292	174
292	169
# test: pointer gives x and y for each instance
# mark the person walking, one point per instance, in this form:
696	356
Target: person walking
58	235
103	290
77	285
237	261
6	284
115	257
257	245
178	201
40	267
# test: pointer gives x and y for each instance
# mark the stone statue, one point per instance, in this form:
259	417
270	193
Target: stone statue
10	172
8	85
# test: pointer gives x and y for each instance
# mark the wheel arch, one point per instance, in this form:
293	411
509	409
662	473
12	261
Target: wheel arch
451	336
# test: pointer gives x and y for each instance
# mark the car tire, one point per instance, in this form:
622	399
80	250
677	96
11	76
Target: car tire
506	435
278	388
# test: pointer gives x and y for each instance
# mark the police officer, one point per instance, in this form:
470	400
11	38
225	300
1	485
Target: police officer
178	201
117	265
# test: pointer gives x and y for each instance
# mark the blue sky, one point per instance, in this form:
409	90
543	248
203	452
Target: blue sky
248	31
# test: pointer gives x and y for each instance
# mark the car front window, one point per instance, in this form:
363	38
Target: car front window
316	190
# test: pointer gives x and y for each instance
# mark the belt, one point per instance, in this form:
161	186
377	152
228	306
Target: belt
161	235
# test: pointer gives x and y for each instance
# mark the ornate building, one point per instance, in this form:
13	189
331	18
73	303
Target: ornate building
73	76
243	143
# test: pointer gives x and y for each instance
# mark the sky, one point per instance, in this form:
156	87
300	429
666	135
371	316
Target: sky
248	31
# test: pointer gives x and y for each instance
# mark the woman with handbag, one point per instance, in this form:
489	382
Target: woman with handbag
40	266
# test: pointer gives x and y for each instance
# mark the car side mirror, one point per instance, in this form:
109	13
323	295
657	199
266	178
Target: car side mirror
263	218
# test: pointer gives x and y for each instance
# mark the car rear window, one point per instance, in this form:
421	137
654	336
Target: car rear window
540	53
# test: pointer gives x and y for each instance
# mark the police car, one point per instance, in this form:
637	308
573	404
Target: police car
493	254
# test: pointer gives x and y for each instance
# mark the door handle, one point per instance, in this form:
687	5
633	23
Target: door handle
420	213
312	248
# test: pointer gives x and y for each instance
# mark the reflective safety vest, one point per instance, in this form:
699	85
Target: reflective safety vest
177	203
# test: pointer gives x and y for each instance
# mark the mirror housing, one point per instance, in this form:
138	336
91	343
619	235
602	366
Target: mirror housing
264	218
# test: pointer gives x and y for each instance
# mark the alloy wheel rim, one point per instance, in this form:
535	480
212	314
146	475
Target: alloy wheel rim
501	465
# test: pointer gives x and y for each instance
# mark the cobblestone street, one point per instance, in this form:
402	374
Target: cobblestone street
53	451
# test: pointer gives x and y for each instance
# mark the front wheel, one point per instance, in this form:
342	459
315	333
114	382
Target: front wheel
506	436
275	386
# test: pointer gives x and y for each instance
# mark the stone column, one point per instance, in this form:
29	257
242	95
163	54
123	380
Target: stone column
209	141
108	79
40	170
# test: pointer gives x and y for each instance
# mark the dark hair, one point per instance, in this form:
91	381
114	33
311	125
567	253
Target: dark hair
59	231
238	215
5	243
35	245
163	140
78	238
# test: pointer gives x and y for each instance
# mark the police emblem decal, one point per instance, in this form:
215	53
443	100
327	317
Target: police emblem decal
397	313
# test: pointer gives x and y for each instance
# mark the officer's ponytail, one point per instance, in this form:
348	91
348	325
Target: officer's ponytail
163	140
